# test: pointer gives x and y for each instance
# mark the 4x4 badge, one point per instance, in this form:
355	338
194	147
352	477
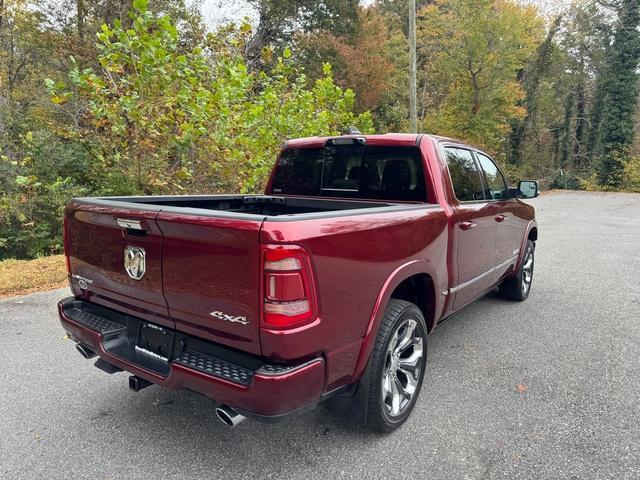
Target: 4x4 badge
230	318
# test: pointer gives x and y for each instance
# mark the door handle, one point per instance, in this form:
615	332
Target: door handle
467	225
501	218
129	224
132	228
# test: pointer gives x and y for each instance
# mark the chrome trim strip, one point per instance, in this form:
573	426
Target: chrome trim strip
286	370
482	275
131	224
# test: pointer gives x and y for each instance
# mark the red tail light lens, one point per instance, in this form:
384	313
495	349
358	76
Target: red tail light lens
289	292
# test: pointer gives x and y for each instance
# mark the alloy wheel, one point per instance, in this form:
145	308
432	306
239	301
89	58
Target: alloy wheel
403	363
527	272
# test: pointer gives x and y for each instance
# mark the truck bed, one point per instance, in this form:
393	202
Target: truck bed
246	206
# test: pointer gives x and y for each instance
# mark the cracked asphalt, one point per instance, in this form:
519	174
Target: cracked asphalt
545	389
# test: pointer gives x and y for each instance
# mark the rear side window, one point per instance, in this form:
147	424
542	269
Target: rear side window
352	171
496	187
465	176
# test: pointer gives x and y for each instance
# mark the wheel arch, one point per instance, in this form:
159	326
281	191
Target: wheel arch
419	290
530	233
405	283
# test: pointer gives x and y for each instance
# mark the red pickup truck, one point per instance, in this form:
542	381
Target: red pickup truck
325	287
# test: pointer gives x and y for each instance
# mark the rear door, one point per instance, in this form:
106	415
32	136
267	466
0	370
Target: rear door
474	227
211	275
105	237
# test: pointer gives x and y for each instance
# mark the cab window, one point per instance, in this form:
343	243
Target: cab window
495	186
465	176
352	170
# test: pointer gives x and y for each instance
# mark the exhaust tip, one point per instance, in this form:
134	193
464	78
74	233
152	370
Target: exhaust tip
85	351
229	416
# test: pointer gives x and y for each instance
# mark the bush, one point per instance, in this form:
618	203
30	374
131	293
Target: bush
194	121
157	117
36	183
630	180
565	181
631	176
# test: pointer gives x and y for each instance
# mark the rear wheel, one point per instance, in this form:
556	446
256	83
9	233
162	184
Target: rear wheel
519	286
397	366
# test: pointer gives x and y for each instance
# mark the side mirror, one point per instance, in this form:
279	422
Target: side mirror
528	189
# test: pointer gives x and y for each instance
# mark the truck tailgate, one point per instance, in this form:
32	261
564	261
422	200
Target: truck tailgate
97	246
211	276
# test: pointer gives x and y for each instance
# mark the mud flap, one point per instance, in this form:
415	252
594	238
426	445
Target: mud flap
353	402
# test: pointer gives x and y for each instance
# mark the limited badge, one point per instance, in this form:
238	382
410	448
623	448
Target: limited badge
134	262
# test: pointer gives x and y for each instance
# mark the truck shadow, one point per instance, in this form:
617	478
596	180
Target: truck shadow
155	422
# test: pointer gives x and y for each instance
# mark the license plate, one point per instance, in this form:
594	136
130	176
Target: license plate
155	340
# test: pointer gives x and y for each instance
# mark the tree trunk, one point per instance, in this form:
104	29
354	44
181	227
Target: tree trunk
80	17
581	123
530	81
622	94
475	96
567	133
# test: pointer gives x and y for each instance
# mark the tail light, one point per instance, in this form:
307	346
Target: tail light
289	291
65	237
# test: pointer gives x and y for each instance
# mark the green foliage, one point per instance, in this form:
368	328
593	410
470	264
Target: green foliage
631	177
35	187
160	106
282	20
156	115
163	120
144	108
621	93
565	181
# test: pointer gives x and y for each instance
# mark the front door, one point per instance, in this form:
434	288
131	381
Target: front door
474	228
509	228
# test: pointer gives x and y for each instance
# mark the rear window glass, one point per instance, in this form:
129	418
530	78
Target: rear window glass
352	171
299	172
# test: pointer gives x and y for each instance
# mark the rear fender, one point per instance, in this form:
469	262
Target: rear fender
403	272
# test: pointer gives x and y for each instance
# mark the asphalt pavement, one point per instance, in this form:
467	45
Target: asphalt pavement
545	389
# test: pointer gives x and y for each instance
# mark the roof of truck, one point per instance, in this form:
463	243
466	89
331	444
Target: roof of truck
384	139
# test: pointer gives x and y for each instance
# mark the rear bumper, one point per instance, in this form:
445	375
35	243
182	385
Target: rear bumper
256	388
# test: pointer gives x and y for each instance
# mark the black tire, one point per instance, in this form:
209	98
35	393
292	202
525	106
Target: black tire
397	320
517	287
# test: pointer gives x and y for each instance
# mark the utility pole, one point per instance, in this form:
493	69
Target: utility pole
413	95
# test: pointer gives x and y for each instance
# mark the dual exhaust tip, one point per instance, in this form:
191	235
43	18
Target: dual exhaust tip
226	414
85	351
229	416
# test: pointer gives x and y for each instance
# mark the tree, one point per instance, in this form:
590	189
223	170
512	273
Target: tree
474	51
161	119
621	94
531	78
358	58
280	20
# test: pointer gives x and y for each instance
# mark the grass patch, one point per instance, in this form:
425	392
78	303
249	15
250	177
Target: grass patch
19	277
